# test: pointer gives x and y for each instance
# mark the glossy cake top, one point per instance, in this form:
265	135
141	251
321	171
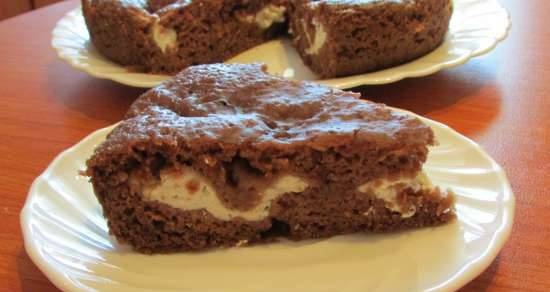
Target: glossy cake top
243	105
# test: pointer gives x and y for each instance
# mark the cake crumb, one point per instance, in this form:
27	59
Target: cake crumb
369	211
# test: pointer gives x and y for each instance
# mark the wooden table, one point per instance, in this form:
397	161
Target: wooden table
9	8
501	100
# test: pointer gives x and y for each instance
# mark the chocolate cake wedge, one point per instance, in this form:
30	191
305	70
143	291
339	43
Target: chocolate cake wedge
346	37
165	36
225	155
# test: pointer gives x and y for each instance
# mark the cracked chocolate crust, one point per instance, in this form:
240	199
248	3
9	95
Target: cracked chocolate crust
209	115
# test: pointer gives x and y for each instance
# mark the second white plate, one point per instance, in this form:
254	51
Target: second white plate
476	27
67	237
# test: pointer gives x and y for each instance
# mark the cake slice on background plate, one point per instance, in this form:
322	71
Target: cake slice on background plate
346	37
333	37
225	155
165	36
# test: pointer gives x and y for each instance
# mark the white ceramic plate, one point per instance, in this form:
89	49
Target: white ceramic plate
476	27
67	237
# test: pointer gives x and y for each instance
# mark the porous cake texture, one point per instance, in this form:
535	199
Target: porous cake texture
226	155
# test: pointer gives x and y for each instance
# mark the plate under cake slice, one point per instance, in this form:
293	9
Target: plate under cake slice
225	155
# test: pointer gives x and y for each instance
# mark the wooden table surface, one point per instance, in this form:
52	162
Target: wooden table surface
501	101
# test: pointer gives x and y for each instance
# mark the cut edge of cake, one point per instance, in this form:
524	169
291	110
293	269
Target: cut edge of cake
226	155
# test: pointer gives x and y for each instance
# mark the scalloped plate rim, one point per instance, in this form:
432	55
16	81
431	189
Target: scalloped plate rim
466	274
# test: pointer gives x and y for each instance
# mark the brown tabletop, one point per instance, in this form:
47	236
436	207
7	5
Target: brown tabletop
501	101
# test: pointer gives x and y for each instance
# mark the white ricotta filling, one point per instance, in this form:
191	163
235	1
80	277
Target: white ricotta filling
388	190
267	16
189	190
319	39
164	38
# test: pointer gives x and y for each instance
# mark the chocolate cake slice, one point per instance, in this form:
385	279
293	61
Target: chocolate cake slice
226	155
346	37
165	36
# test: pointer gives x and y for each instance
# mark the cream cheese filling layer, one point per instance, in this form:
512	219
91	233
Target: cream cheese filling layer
317	42
267	16
388	191
190	190
164	38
